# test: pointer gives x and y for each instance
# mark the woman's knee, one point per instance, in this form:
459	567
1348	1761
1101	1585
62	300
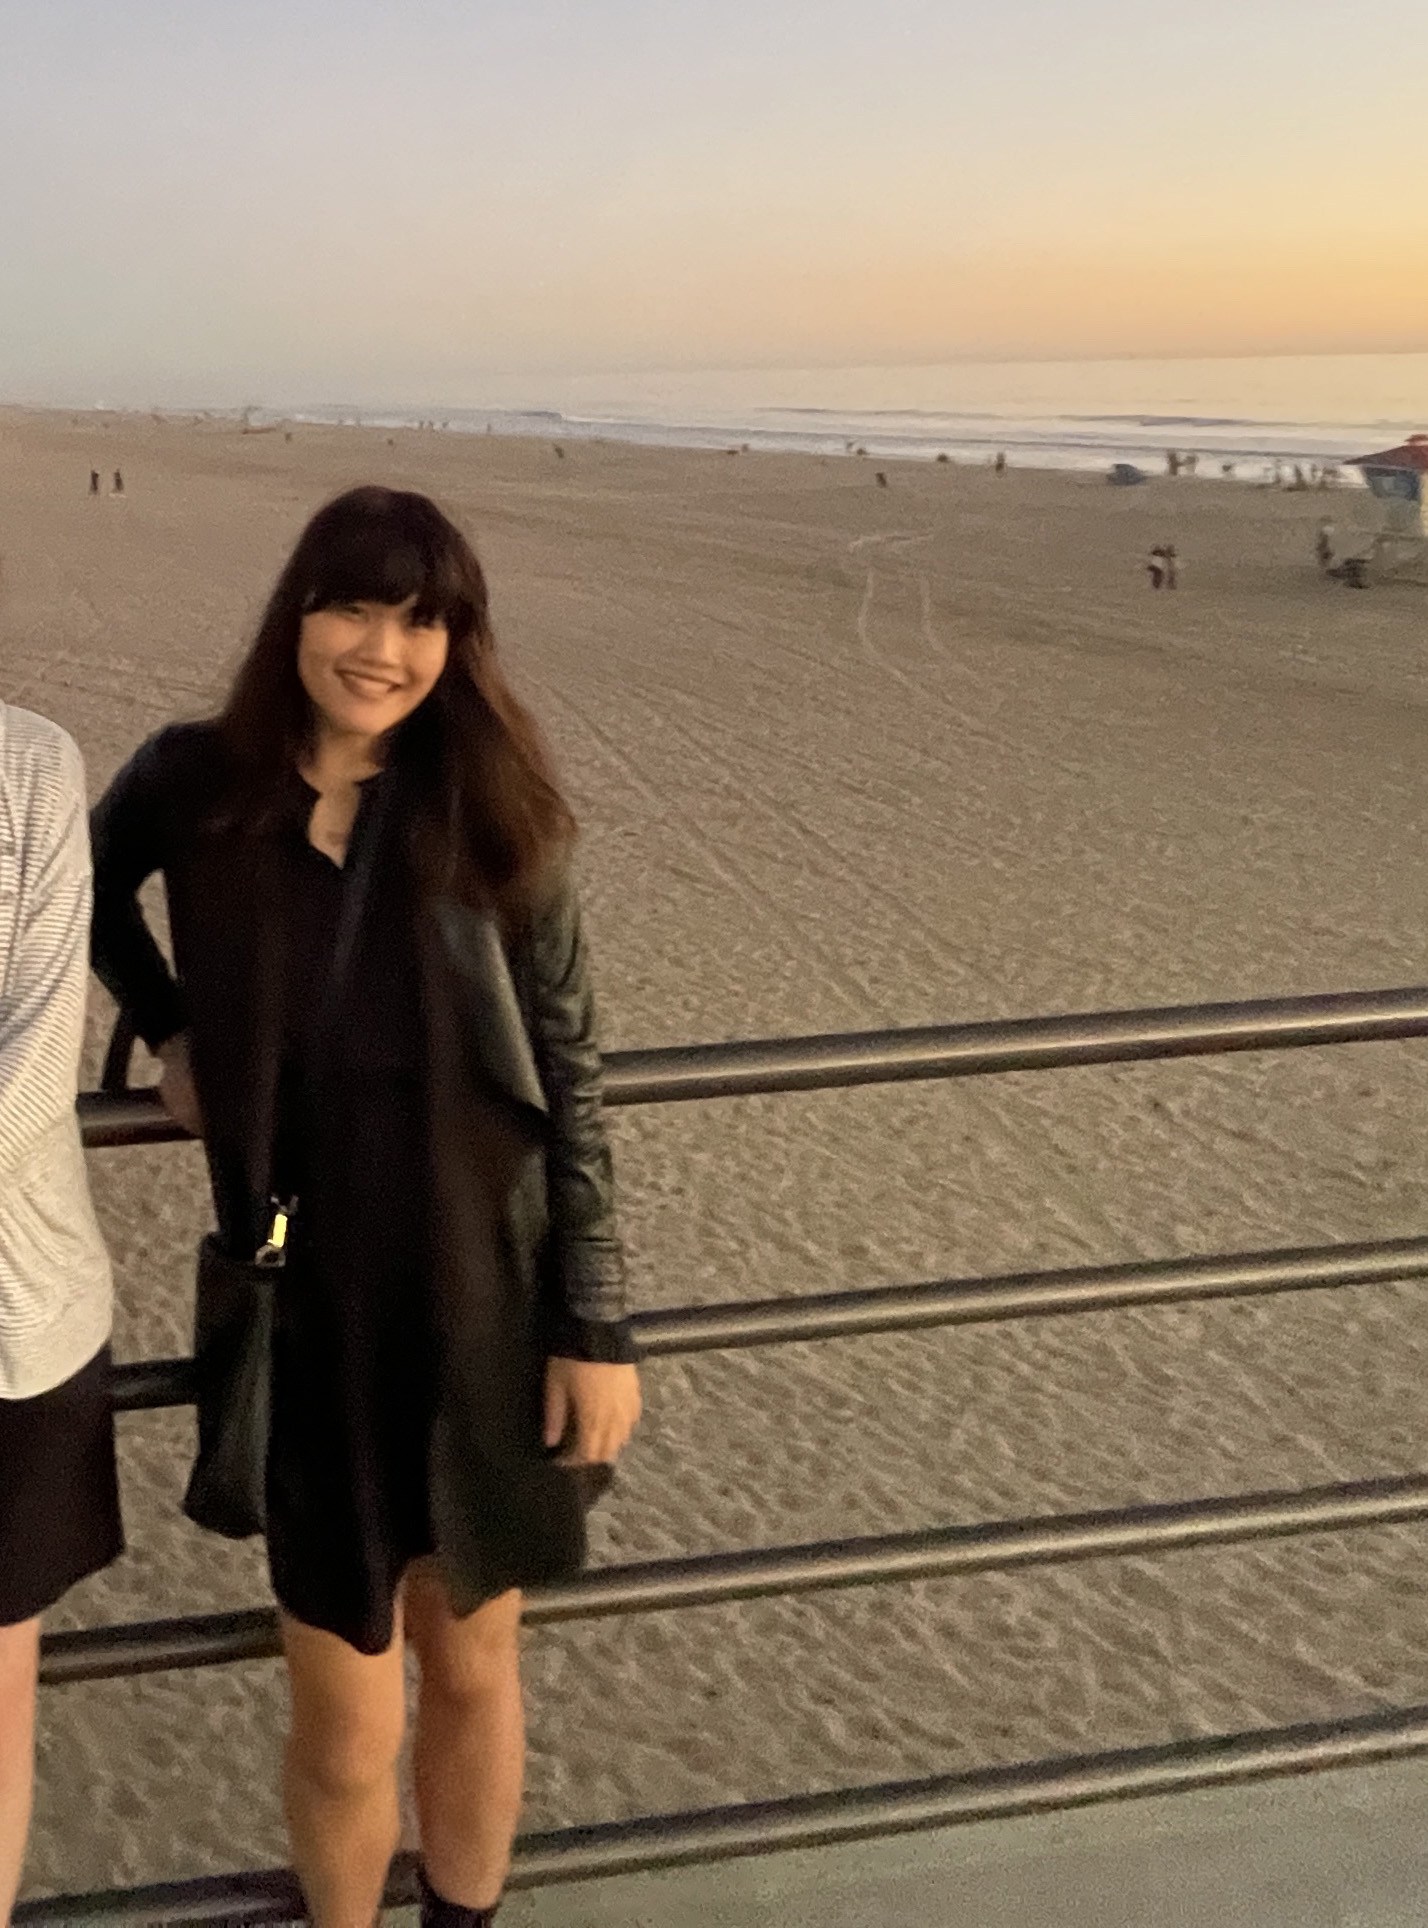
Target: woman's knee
345	1753
465	1656
348	1714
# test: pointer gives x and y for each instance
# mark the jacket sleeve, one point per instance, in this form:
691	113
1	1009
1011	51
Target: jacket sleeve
587	1316
42	993
130	830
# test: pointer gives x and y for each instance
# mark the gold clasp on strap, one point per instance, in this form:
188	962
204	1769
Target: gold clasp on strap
273	1250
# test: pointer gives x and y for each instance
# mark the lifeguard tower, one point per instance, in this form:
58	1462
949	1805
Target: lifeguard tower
1398	483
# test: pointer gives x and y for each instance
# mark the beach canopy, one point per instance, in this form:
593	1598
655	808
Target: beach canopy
1412	454
1398	480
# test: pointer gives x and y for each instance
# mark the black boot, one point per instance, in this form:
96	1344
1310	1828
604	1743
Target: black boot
436	1912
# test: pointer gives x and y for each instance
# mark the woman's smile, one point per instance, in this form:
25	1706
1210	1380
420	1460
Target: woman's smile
368	682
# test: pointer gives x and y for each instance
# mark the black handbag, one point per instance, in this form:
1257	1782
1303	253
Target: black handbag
236	1307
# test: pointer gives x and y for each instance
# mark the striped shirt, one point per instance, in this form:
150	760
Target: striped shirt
55	1291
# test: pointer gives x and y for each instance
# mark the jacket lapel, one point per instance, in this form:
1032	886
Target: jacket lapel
473	978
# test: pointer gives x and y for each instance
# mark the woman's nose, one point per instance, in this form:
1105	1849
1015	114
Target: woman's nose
384	638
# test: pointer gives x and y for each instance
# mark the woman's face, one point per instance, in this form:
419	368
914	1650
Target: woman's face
366	666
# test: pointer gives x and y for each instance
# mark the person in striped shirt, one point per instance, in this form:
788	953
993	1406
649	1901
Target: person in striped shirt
59	1500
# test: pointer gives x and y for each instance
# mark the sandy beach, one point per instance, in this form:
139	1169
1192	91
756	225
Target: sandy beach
848	756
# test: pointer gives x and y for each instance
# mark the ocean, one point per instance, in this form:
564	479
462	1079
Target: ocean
1248	412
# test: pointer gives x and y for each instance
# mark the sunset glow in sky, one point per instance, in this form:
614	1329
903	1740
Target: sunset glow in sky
308	199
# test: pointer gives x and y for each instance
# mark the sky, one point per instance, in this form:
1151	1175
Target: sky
207	203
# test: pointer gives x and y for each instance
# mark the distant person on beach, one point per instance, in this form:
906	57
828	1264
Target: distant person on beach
94	481
118	483
1172	566
1160	566
1172	462
1001	462
1324	546
59	1493
385	1035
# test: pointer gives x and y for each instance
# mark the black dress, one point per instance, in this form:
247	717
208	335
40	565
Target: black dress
354	1355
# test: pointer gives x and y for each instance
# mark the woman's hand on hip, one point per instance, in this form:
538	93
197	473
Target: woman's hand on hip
592	1407
177	1092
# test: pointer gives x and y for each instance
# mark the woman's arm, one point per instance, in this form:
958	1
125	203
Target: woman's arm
131	830
588	1316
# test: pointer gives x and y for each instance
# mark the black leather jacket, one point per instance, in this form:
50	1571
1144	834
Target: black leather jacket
521	1182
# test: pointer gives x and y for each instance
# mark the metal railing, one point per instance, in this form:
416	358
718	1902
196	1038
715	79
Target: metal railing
807	1820
115	1117
713	1579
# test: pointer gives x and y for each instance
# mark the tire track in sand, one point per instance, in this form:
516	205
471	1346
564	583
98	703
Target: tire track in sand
898	542
822	850
757	898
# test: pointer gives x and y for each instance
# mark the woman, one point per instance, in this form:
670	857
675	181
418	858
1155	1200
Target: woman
451	1359
59	1494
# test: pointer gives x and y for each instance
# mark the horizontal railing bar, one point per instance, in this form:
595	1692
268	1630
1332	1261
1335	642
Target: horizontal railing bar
144	1385
996	1545
749	1066
825	1820
158	1646
114	1120
1026	1295
1015	1044
756	1573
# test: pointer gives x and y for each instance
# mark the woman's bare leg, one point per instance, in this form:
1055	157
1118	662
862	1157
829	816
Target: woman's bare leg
469	1753
19	1671
340	1771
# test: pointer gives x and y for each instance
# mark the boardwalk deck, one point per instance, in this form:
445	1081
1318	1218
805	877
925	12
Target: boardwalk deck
1345	1849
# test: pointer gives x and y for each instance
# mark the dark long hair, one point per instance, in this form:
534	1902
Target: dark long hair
488	821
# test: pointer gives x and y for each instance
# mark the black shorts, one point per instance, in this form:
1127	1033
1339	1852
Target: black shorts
59	1491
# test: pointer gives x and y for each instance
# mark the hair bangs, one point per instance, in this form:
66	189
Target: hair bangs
378	551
